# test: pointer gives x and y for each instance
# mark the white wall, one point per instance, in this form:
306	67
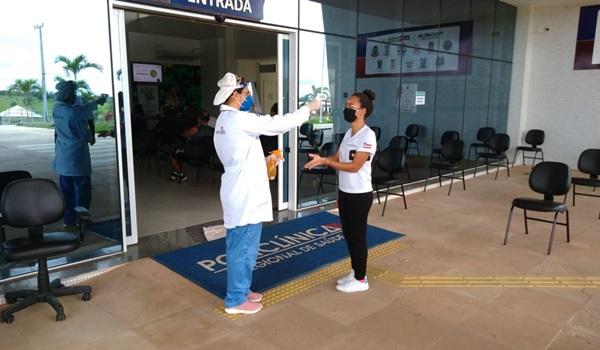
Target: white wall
547	93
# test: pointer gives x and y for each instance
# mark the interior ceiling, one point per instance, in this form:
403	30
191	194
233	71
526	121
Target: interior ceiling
180	37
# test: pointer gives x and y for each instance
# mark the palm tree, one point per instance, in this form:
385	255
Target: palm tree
76	65
82	85
73	67
26	87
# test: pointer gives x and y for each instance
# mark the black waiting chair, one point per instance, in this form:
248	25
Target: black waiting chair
305	130
377	131
484	136
199	152
498	145
315	140
533	138
411	133
31	204
7	177
392	161
589	163
453	153
402	143
550	179
329	149
446	136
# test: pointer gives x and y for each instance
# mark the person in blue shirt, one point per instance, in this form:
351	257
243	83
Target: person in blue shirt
72	160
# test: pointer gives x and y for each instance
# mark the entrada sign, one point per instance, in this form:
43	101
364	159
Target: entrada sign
247	9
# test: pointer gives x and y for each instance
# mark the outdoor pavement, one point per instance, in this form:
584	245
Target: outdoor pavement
143	305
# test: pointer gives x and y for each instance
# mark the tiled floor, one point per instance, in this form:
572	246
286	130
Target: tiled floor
144	305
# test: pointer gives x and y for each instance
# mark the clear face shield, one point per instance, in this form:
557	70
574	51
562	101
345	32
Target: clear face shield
256	106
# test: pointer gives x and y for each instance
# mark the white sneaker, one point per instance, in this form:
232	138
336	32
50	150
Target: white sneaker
353	286
349	277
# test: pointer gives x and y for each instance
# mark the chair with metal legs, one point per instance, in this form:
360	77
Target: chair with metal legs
533	138
589	163
411	133
498	145
483	136
453	153
446	136
328	149
392	161
401	142
550	179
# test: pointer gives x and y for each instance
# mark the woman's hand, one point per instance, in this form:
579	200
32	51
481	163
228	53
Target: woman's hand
315	161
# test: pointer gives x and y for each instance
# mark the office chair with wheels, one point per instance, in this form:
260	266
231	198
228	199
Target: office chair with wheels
392	161
412	132
483	136
453	153
498	146
550	179
533	138
589	163
31	204
6	178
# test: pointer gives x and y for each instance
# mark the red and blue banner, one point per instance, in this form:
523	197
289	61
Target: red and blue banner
587	50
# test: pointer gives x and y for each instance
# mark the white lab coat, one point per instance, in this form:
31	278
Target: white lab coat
245	192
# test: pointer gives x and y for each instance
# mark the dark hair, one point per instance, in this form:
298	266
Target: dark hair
204	116
274	109
366	100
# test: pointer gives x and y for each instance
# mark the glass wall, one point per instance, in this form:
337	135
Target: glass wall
456	55
75	49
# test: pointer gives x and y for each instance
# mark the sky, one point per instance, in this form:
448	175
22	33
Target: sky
64	34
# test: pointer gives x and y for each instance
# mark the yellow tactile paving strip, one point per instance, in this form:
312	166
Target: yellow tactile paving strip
337	269
399	280
318	277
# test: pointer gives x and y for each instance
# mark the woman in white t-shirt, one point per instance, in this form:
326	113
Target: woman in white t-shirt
355	196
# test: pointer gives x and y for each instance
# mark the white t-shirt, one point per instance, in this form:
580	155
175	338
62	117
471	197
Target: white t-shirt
363	141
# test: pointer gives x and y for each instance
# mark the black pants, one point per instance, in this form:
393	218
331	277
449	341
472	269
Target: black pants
354	210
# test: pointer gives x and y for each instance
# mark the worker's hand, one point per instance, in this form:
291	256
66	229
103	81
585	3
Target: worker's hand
274	158
315	161
92	139
314	105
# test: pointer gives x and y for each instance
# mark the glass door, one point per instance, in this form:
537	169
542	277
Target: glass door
285	104
123	126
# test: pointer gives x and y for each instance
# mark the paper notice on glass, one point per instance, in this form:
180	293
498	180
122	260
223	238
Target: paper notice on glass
148	97
408	98
420	98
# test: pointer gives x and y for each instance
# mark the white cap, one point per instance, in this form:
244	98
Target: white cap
226	85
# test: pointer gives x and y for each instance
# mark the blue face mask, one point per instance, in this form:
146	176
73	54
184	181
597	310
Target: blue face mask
247	104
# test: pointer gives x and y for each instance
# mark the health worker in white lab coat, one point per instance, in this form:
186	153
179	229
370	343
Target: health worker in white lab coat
245	192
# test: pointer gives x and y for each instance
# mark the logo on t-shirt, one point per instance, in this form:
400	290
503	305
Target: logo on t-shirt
367	145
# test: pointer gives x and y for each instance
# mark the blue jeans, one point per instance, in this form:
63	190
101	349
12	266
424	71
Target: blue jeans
77	191
242	250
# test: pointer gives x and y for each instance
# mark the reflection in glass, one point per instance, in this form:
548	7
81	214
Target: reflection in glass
27	139
328	72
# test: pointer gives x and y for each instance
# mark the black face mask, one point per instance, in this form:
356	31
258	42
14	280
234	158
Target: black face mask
349	115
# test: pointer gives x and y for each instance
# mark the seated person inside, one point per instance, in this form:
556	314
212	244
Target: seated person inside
199	128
